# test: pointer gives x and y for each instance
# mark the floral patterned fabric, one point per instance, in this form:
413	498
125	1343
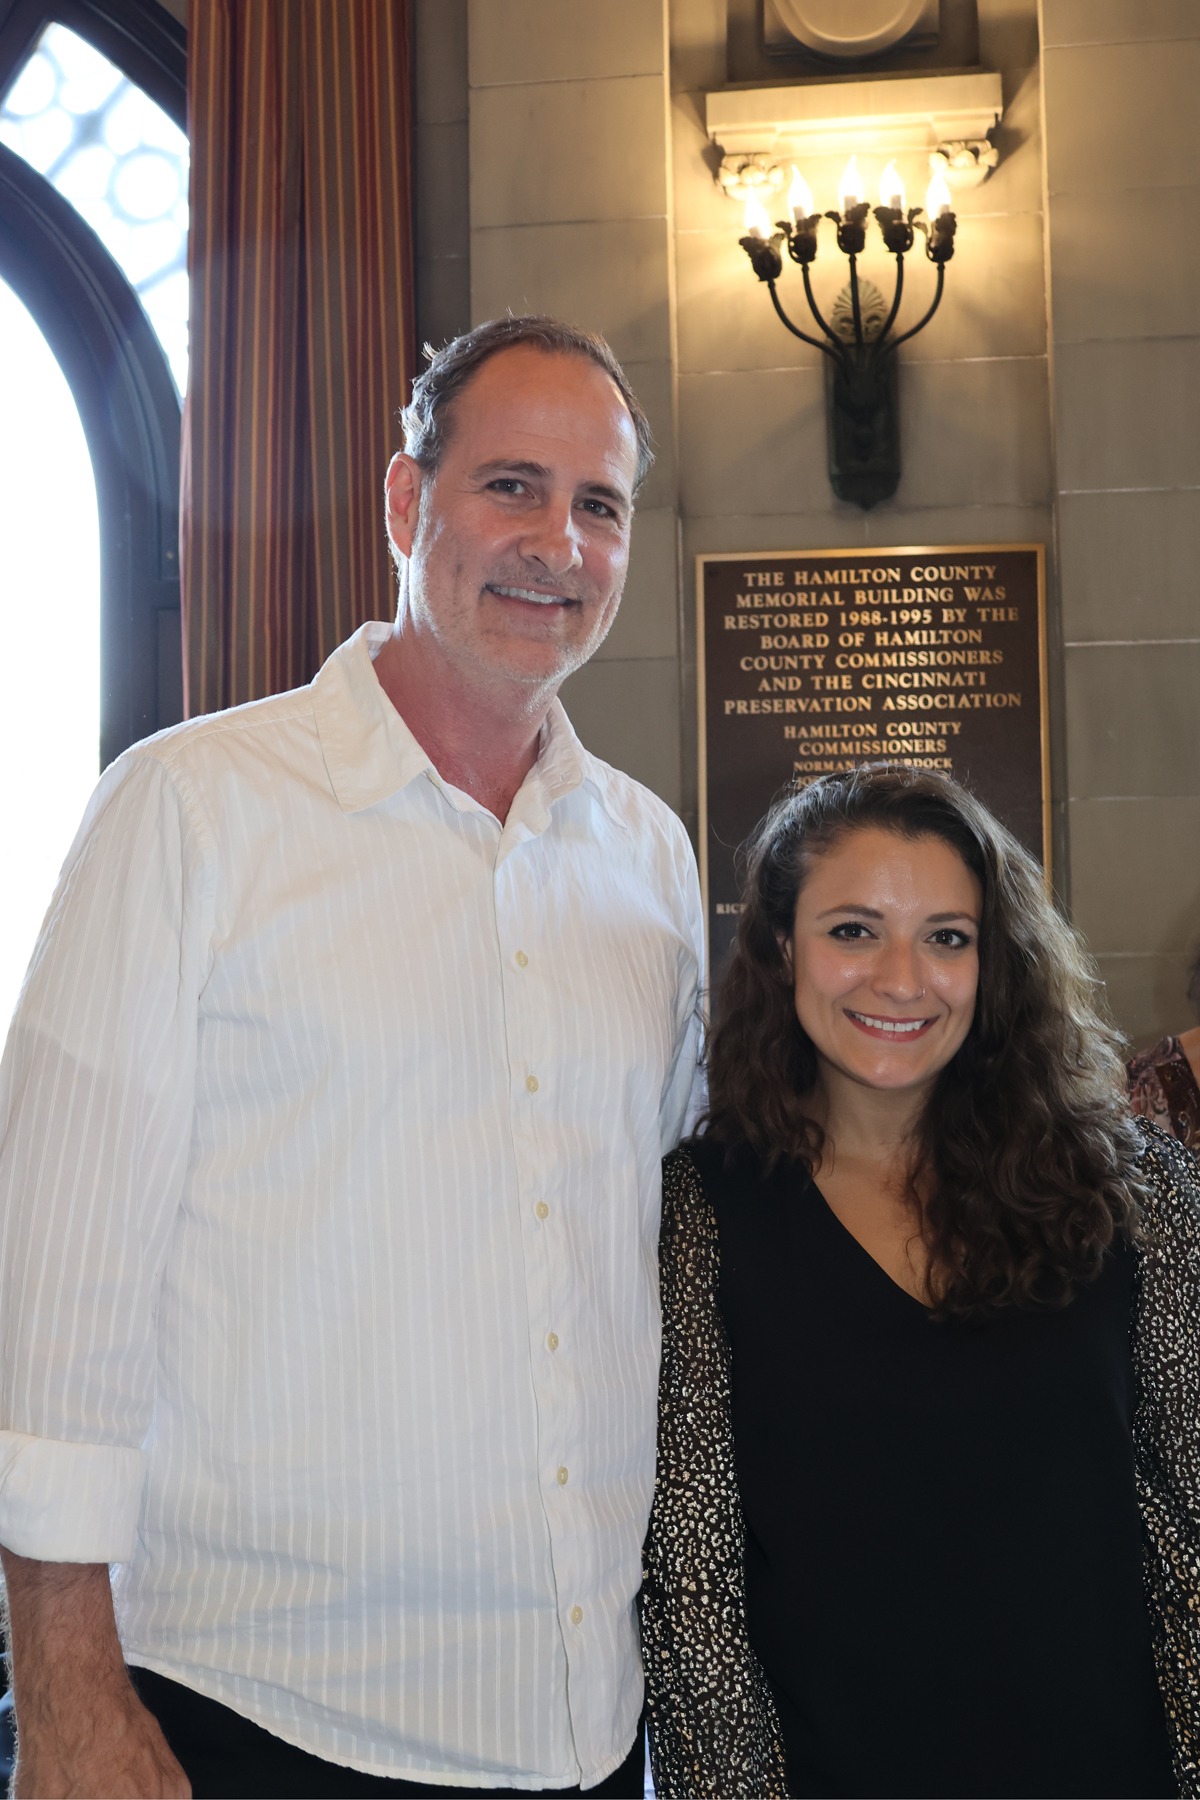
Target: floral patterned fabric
1162	1087
713	1725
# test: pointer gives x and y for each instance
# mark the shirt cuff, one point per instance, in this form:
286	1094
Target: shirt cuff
63	1502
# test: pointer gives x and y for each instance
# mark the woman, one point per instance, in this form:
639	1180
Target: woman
1164	1083
928	1513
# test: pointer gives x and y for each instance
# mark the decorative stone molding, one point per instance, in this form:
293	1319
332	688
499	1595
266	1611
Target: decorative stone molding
850	28
789	124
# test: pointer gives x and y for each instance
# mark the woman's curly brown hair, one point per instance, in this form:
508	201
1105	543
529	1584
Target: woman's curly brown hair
1025	1152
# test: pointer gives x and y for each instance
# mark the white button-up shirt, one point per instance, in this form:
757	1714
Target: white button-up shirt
331	1121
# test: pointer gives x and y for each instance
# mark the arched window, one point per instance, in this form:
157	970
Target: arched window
92	279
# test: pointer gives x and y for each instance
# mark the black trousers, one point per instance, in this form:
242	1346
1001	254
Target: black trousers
224	1755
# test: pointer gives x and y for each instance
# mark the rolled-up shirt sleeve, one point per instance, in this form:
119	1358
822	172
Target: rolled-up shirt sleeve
96	1097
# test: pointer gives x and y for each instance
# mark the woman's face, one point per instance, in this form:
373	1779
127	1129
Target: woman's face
885	956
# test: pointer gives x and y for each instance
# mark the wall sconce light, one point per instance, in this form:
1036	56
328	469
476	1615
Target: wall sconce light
858	343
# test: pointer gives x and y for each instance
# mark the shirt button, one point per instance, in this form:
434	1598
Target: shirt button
542	1210
522	960
552	1340
531	1082
563	1477
577	1615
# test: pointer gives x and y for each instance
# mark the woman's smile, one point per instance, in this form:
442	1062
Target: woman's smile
895	1029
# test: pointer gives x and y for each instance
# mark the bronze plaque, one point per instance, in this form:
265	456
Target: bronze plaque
814	660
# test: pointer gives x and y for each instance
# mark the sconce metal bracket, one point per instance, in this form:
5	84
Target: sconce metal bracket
863	425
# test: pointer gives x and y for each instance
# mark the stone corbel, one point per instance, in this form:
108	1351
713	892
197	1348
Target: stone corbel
753	176
965	162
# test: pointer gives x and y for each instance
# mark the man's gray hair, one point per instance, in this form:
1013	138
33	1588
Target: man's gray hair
429	417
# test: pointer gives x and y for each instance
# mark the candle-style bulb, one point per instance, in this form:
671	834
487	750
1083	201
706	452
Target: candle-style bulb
938	198
891	188
757	218
849	187
800	197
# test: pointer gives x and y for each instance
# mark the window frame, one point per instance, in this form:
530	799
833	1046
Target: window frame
116	369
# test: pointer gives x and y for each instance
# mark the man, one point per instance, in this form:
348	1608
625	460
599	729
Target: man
332	1115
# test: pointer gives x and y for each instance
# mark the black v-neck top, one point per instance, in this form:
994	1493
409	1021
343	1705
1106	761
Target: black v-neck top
943	1546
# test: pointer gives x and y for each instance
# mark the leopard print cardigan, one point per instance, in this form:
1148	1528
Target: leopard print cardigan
713	1726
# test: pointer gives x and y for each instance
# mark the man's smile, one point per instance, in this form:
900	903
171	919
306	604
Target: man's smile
532	595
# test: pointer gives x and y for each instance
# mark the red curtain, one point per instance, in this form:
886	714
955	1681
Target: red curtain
302	344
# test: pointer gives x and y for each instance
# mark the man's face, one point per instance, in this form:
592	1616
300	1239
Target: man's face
519	542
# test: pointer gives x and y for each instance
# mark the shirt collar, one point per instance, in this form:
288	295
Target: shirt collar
370	753
563	764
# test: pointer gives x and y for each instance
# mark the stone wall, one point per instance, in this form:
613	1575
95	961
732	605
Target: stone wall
570	139
1123	178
